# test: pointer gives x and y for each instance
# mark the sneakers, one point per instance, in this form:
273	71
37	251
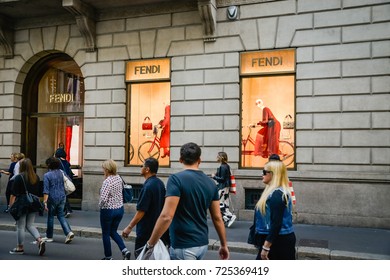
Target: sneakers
67	214
126	255
69	237
41	247
47	239
15	251
107	258
231	221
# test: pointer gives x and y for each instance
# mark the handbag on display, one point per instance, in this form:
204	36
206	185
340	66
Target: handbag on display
288	122
147	124
233	187
68	184
127	192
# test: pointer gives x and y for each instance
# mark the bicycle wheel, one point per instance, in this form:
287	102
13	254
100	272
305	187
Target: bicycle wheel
131	152
286	152
148	149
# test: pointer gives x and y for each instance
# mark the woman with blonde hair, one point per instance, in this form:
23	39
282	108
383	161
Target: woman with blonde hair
111	209
273	215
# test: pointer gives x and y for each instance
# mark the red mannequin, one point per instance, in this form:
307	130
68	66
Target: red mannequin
165	133
267	138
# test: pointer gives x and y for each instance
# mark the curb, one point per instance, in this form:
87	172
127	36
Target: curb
303	253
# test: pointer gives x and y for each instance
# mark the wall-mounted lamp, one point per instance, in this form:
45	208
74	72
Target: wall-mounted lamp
232	12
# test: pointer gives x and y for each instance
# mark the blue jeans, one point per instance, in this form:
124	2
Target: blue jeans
109	222
56	208
193	253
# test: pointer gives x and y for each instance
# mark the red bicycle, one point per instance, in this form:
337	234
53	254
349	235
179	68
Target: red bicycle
150	148
286	149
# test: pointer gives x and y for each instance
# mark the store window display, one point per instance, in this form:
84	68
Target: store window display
266	101
149	123
267	138
148	110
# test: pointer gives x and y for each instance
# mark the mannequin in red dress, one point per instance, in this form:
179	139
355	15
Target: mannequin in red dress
165	133
267	138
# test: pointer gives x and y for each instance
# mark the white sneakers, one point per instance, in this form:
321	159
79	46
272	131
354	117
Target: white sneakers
231	221
69	237
46	239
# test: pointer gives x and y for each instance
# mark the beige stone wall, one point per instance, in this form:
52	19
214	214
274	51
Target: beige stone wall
342	95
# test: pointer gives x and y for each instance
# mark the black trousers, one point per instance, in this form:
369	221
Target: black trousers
283	247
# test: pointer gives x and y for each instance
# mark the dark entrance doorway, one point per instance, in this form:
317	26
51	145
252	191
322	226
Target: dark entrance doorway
53	113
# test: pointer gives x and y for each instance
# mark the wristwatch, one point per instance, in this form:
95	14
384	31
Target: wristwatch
148	246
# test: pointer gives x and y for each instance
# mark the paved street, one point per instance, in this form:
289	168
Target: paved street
80	248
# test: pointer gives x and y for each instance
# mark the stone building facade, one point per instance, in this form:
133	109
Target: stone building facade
341	172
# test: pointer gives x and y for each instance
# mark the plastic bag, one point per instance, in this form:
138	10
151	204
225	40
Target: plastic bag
158	252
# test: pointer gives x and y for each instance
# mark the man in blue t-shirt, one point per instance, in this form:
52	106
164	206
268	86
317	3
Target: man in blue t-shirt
190	193
149	206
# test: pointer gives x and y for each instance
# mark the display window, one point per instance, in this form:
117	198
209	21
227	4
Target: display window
148	107
268	107
60	116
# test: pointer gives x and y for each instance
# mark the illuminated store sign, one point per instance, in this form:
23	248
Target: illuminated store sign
143	70
55	97
267	62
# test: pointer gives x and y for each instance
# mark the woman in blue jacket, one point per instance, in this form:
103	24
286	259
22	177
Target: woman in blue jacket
273	215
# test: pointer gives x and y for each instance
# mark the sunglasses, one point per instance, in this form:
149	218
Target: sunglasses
265	172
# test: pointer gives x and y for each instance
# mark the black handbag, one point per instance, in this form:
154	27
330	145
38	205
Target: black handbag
20	206
127	192
254	238
25	203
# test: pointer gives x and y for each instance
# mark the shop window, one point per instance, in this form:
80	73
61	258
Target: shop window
268	106
60	116
148	107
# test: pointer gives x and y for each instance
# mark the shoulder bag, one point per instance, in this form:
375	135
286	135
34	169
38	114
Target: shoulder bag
127	192
25	203
68	184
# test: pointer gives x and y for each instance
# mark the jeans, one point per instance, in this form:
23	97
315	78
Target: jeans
193	253
56	208
109	222
26	221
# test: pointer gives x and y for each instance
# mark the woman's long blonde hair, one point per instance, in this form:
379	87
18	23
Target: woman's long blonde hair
279	179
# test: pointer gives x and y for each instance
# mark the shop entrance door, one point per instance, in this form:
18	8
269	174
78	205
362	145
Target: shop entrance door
53	117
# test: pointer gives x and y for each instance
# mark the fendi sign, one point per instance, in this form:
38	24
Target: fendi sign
148	70
265	62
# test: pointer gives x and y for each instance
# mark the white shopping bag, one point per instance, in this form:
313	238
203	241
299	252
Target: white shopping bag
158	252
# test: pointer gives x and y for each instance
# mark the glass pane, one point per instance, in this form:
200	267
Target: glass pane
268	106
55	130
149	125
60	92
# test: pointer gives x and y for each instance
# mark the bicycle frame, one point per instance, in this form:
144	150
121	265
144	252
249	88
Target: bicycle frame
286	149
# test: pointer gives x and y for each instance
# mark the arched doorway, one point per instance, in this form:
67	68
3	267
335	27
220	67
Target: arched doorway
53	114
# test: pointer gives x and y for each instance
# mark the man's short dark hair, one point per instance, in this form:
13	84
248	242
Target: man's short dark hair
274	157
53	163
60	153
152	164
190	153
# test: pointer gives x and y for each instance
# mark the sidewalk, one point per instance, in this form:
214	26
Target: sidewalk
313	241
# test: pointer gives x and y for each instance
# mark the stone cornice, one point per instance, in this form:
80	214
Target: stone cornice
85	20
6	37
